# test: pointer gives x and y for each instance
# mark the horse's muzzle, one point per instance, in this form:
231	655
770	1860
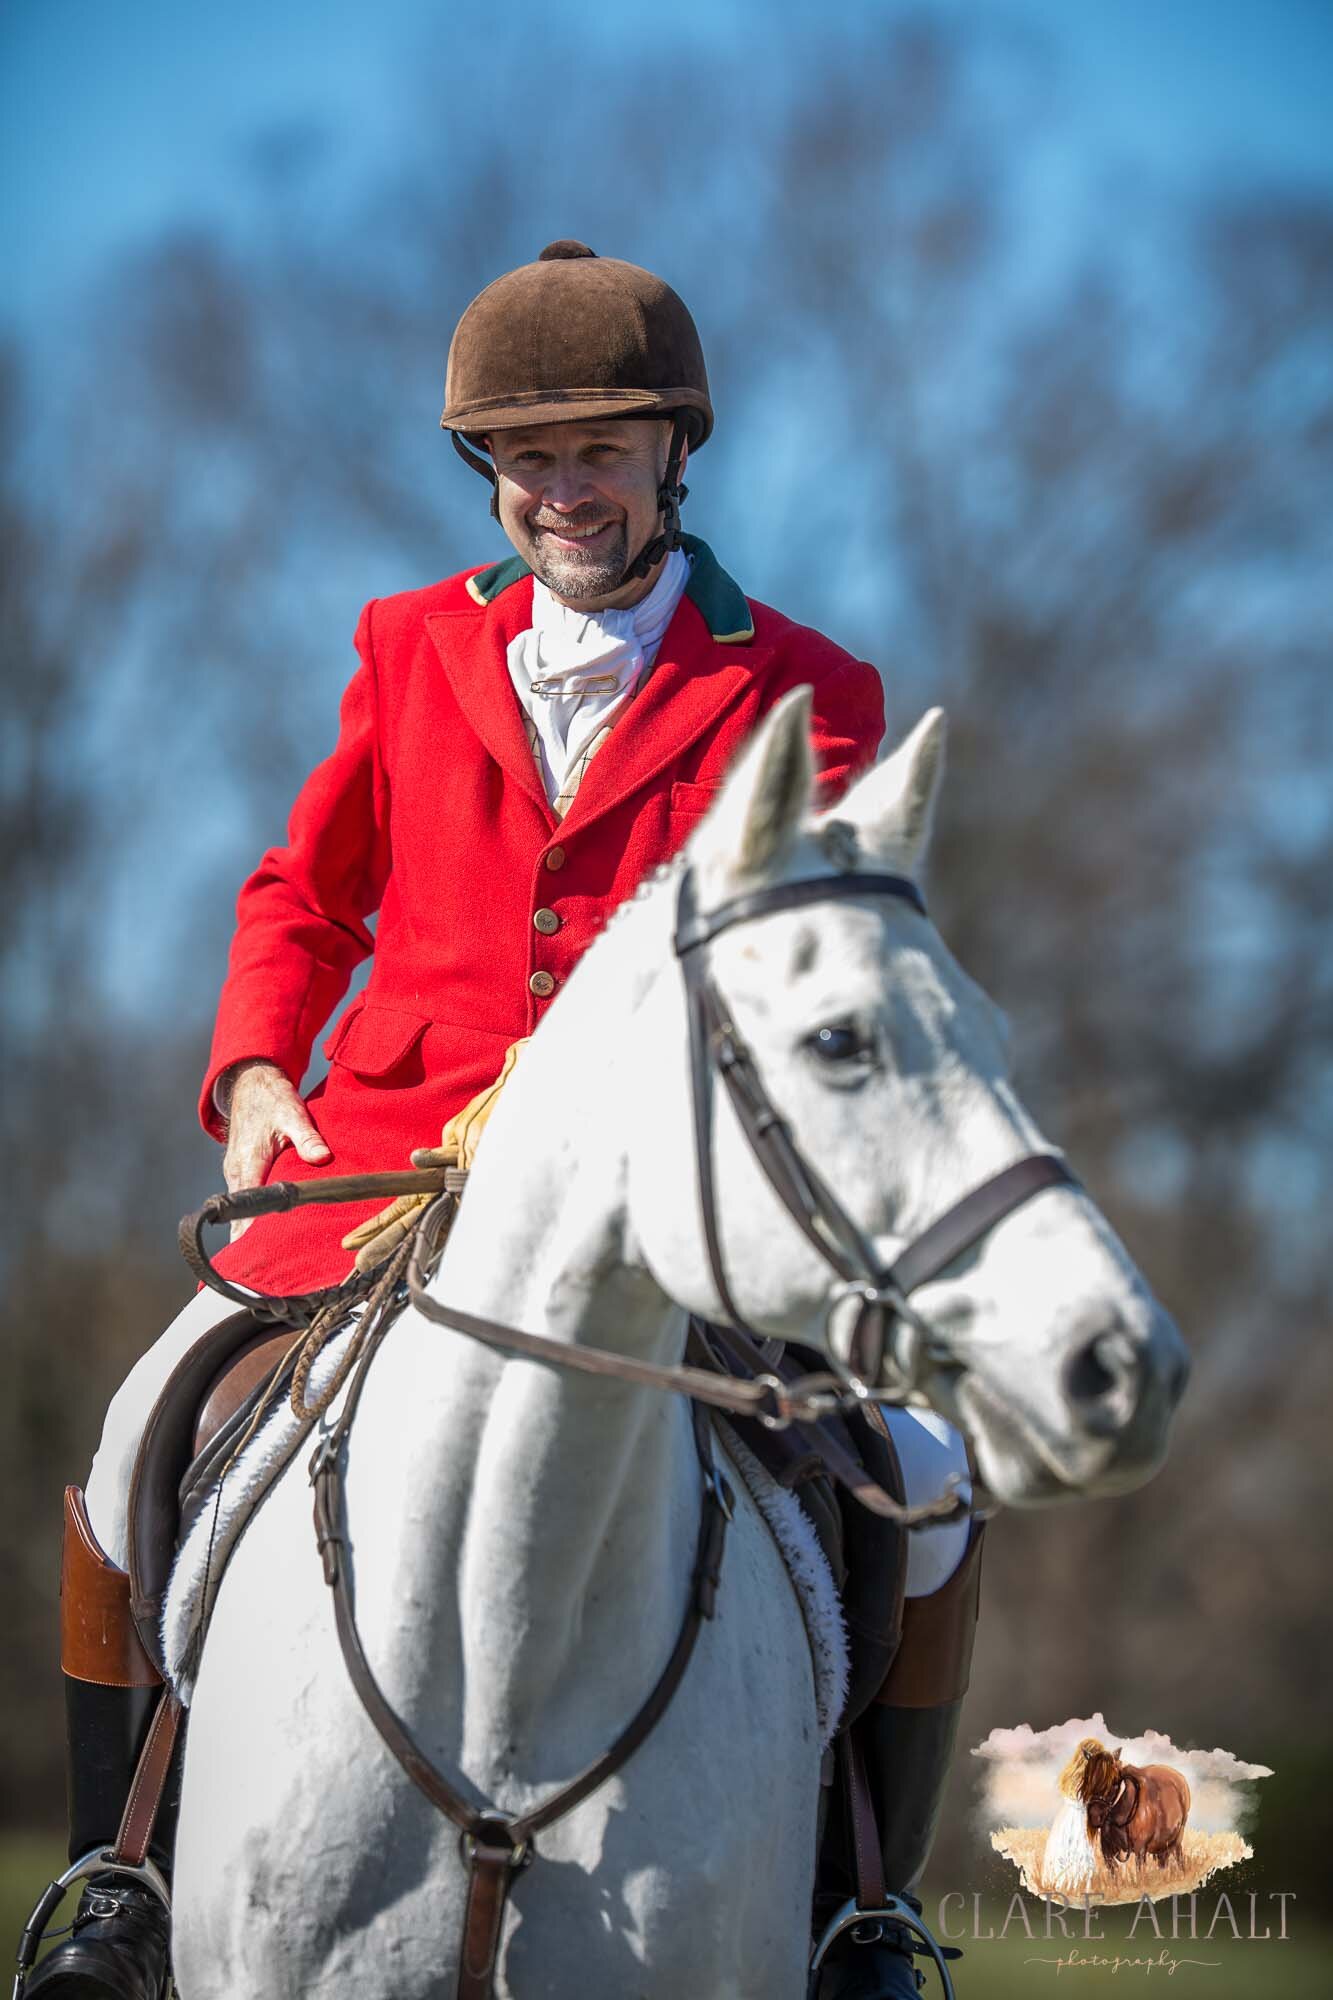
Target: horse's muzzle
1118	1390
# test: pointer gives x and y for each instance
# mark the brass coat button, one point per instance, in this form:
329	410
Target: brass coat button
542	984
555	858
547	922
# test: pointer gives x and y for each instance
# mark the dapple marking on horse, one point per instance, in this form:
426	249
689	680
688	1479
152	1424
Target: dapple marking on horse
522	1538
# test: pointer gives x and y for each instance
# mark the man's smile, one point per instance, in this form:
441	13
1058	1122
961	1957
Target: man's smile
569	537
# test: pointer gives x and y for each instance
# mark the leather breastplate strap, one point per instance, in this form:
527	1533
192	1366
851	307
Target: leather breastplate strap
495	1846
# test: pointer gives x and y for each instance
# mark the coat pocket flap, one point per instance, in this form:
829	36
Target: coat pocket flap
371	1040
687	797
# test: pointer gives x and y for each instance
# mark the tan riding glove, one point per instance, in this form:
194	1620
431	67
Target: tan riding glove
379	1236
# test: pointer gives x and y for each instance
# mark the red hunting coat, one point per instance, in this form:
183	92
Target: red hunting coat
431	810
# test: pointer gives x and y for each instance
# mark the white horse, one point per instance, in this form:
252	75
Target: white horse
522	1539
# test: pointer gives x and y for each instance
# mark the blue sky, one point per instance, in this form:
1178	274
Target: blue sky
121	118
118	116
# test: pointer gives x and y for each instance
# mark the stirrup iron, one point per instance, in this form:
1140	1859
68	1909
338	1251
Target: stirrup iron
892	1910
97	1861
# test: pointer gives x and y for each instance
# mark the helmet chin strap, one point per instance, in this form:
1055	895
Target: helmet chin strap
670	494
481	465
669	497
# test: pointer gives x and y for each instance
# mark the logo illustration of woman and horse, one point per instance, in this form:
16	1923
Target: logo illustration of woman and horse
1127	1811
1134	1816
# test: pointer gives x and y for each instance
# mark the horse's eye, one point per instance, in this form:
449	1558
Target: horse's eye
838	1042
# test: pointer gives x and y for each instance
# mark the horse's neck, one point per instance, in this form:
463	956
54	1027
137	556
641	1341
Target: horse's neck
565	1506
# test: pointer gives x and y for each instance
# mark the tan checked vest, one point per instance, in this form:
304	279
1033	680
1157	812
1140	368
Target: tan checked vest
573	778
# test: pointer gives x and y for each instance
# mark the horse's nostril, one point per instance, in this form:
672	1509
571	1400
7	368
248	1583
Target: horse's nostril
1100	1380
1087	1377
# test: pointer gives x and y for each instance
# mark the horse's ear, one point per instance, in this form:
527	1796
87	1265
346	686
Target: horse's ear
765	798
893	806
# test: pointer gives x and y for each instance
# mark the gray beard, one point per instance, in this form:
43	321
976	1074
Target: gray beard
580	577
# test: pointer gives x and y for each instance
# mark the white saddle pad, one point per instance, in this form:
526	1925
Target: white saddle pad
218	1526
812	1580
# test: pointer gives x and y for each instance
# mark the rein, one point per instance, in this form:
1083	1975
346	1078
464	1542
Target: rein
244	1204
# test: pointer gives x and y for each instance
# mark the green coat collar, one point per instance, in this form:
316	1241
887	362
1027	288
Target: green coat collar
718	599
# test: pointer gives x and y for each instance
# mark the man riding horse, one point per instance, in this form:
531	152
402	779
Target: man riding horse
521	744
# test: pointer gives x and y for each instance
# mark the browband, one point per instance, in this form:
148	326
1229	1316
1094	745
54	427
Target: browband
695	927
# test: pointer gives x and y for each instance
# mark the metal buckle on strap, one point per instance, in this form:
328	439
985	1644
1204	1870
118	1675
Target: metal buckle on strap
324	1458
807	1399
494	1834
98	1904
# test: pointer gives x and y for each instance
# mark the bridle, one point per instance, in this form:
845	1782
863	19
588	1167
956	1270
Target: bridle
889	1335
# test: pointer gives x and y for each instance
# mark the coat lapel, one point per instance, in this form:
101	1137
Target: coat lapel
707	657
472	643
694	680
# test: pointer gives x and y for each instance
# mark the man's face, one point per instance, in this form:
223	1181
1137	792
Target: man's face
579	500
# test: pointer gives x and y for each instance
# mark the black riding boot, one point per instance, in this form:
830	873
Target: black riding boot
118	1949
906	1740
119	1946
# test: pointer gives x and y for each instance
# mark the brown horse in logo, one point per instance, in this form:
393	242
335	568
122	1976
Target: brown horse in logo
1134	1810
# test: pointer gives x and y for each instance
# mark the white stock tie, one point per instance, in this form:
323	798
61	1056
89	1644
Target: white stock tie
573	669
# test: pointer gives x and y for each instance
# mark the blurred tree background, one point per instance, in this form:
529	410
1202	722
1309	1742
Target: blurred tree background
1078	492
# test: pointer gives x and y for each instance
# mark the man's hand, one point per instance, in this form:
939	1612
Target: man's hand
264	1113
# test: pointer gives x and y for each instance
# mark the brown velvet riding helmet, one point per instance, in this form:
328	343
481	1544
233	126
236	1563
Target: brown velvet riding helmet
575	336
